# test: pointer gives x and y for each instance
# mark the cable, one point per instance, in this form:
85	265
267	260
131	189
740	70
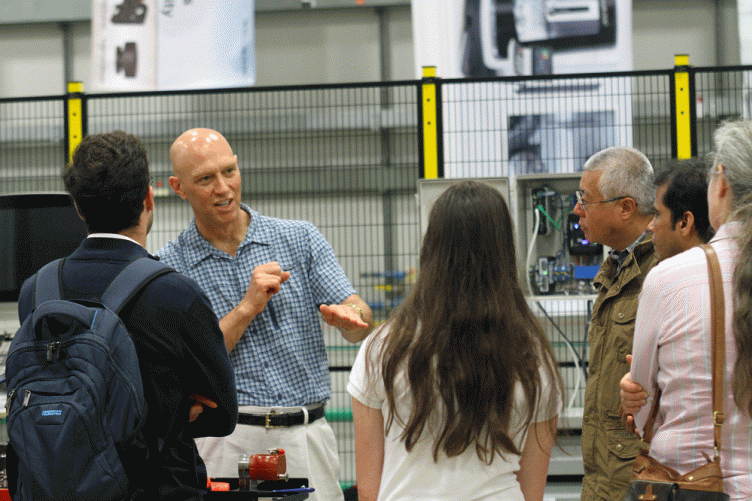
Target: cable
530	252
575	355
543	211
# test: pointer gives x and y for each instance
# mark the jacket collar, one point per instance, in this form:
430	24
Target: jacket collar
631	267
620	256
104	248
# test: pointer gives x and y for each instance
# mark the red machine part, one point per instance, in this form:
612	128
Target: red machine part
271	466
218	486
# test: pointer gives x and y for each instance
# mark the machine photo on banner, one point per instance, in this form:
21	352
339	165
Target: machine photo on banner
528	126
144	45
123	45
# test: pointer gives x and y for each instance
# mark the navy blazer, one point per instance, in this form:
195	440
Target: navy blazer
181	352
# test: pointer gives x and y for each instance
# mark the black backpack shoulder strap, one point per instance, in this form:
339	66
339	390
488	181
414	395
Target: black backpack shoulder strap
47	282
131	280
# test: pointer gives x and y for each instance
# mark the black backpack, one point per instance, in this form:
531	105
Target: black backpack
75	389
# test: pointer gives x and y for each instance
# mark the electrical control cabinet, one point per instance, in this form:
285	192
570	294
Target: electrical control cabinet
556	258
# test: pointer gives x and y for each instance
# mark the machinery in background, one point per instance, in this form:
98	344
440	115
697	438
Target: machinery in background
520	37
389	290
560	264
560	260
535	140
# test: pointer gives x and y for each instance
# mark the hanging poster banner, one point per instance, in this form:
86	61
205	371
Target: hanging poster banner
142	45
123	47
483	38
527	126
205	44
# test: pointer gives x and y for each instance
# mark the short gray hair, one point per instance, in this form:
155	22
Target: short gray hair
733	150
625	172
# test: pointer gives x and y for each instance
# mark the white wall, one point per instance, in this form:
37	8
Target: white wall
663	28
342	45
330	46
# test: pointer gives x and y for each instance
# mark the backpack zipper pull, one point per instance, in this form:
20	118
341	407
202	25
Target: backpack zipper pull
11	394
55	345
27	396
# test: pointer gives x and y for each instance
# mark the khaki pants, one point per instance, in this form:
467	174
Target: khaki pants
310	450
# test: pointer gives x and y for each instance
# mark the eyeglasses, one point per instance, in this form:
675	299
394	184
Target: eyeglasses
582	203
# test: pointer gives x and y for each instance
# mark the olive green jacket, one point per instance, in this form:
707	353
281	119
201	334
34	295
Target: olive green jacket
607	449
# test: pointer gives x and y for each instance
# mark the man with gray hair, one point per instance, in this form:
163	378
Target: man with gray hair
615	205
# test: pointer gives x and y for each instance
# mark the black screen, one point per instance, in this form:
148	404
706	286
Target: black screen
35	228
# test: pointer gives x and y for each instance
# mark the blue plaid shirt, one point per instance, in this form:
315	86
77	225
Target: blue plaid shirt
280	360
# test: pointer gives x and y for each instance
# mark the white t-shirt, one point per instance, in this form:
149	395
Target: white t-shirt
415	475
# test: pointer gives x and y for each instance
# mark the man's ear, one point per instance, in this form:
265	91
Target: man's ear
149	200
177	186
628	207
78	211
686	224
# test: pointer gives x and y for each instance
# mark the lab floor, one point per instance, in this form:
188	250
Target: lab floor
561	491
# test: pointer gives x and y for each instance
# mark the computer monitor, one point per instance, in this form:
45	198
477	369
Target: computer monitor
35	228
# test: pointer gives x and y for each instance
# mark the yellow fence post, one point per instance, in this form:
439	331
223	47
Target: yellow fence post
74	117
430	125
683	107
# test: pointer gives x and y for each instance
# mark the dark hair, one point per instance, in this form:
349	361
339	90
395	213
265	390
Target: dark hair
687	190
108	180
465	335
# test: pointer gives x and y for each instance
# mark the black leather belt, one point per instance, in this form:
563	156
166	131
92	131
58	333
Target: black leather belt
275	419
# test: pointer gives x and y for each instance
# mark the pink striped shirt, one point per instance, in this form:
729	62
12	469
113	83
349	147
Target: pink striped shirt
672	350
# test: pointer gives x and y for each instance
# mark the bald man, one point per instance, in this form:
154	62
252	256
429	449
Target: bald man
267	280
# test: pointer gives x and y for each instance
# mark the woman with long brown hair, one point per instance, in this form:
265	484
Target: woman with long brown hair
457	395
